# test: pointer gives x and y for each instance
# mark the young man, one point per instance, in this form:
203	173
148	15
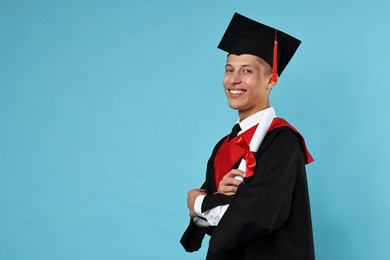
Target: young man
260	210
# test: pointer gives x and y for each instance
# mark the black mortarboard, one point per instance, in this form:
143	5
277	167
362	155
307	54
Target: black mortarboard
246	36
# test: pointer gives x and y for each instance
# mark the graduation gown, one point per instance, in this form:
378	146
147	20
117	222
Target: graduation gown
269	216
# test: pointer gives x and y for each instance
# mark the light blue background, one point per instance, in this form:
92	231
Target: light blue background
109	111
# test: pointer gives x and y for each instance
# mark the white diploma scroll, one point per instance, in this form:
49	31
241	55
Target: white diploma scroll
258	137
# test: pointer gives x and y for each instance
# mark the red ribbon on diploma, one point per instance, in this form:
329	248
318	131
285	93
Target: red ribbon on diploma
249	156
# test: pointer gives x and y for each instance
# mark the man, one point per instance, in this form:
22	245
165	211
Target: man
260	210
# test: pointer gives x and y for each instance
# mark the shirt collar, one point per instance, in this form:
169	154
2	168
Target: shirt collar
254	119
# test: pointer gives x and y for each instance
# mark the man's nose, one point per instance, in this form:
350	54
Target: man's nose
235	78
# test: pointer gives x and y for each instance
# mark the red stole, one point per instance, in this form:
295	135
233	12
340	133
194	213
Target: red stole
230	153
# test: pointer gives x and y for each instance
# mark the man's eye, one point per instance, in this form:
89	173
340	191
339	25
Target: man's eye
247	71
228	70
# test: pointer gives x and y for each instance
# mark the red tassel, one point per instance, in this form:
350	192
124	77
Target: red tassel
275	60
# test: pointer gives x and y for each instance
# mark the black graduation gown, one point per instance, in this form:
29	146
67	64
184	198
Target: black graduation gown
269	216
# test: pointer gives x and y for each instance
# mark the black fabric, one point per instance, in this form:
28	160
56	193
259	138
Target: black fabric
235	130
269	216
217	199
192	237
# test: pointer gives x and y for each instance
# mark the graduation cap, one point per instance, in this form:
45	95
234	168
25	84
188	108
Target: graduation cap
246	36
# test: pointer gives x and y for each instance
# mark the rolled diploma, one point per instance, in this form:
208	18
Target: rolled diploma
257	138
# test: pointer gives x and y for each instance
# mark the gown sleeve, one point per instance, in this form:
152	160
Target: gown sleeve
263	202
193	236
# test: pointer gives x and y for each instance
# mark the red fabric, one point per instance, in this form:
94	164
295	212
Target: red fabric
249	157
275	60
230	152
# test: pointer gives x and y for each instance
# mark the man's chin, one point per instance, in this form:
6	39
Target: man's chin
234	105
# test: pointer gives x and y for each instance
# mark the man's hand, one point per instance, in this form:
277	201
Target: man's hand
192	194
228	185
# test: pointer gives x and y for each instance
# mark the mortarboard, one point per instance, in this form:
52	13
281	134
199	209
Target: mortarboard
246	36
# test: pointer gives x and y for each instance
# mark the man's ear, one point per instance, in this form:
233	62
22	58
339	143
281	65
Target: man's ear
272	82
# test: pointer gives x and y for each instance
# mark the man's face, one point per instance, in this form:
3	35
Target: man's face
246	85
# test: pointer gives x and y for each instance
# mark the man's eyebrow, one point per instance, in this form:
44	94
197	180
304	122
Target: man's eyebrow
241	66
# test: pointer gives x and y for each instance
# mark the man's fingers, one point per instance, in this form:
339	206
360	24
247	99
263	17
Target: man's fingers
234	172
235	182
228	185
223	188
230	182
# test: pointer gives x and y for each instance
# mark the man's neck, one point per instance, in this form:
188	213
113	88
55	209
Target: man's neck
243	116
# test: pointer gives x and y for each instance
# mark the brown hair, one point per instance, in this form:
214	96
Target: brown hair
267	69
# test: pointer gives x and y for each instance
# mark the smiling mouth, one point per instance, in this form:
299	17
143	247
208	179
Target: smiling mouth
236	91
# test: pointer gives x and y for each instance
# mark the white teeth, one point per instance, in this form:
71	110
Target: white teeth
236	91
